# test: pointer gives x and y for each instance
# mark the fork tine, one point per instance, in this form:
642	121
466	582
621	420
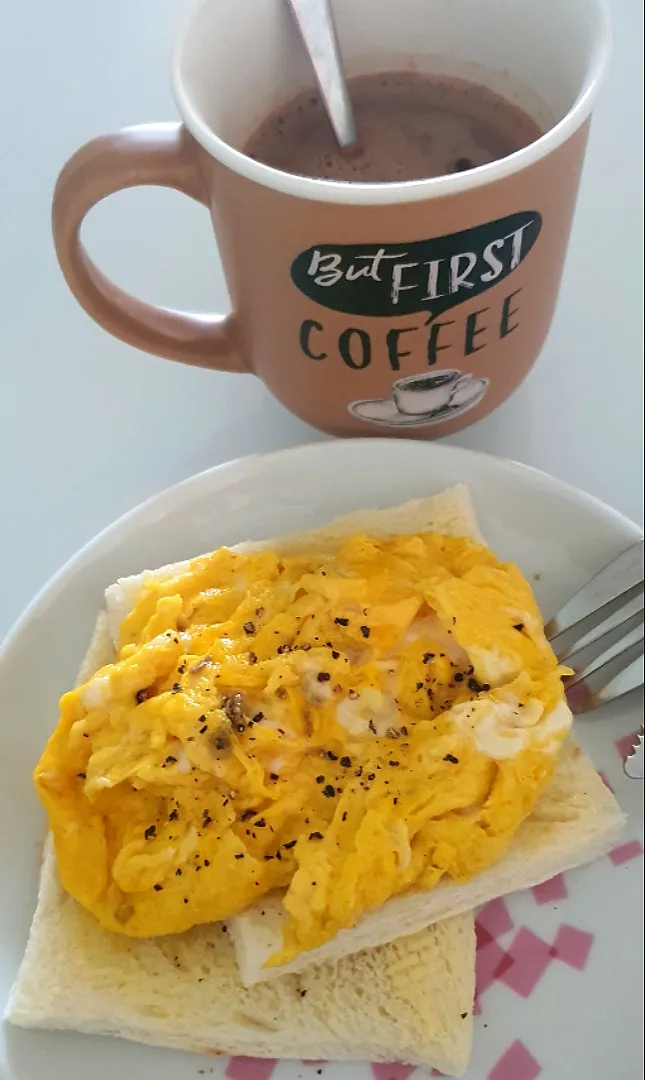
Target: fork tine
615	579
626	643
623	615
584	698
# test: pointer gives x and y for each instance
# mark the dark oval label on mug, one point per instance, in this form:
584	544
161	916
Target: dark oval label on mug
427	275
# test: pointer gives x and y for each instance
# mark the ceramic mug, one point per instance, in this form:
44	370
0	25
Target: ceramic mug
457	270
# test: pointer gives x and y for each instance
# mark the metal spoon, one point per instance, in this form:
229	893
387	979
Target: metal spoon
316	24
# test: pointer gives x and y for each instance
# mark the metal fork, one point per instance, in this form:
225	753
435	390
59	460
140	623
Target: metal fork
599	633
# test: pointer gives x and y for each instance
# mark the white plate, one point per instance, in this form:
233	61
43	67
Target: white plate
583	1018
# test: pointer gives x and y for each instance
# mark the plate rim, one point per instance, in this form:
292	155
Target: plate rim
510	465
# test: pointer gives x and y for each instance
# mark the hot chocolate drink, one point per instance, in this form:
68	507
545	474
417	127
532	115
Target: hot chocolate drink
410	127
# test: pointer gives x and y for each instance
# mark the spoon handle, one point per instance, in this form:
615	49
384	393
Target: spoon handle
316	24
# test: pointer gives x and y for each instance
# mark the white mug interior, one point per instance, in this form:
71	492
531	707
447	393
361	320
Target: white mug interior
236	62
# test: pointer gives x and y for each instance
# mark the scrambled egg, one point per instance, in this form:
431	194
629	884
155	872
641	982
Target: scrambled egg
343	728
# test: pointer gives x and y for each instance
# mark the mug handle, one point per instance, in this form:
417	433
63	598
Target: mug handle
162	155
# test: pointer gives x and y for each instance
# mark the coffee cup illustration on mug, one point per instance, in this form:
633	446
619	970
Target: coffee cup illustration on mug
422	400
422	394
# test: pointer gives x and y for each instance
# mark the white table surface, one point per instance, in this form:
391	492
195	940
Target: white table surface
90	427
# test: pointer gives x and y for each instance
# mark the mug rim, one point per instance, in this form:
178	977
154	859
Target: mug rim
381	194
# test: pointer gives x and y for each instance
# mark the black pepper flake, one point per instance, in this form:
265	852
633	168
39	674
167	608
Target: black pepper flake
519	626
239	856
157	888
249	628
452	759
372	727
394	764
365	631
464	1015
335	654
233	708
477	687
252	658
278	856
81	775
176	688
283	649
427	657
268	858
260	824
404	731
346	762
170	760
341	622
419	686
182	669
150	832
205	728
258	716
206	862
303	993
315	836
290	844
274	776
323	676
178	872
371	776
395	800
459	676
320	779
247	814
345	816
173	815
185	899
206	820
359	771
141	696
240	727
332	756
